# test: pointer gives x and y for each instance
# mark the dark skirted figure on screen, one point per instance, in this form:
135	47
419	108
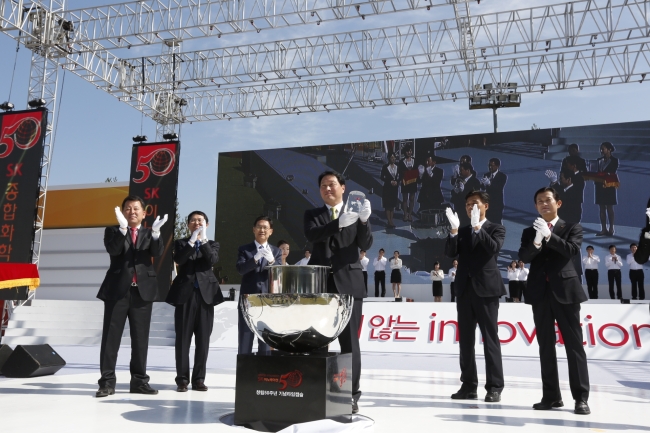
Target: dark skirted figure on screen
128	290
252	260
606	197
337	236
642	253
555	293
430	196
478	287
194	292
465	183
494	182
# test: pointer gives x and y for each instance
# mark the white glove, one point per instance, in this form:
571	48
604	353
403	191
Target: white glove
475	216
461	186
542	227
538	238
456	171
421	170
551	175
430	171
348	218
365	211
268	255
122	220
195	235
155	227
486	181
204	233
647	212
259	254
453	219
647	235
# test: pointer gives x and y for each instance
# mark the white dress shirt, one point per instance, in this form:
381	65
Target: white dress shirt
452	274
512	274
522	274
364	263
338	208
396	263
634	266
613	265
380	264
591	262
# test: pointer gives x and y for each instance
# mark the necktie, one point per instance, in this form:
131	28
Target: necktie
334	216
550	227
197	245
134	239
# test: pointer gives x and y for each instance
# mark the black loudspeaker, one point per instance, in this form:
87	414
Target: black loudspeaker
32	361
5	351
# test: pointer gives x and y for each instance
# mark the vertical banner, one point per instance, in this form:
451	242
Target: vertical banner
154	178
21	151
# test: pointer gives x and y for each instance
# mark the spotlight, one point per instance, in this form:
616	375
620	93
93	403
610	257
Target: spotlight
168	136
139	138
36	103
6	106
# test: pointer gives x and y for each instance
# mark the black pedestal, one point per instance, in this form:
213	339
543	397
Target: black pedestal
276	391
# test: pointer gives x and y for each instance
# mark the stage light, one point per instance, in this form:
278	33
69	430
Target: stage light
642	78
169	136
36	103
6	106
139	138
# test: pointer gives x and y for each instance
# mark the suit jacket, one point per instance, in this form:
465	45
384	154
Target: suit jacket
127	259
554	260
477	258
255	276
193	266
571	209
495	190
338	248
431	194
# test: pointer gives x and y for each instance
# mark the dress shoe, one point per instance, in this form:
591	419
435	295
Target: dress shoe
199	386
181	388
493	397
463	394
104	392
355	407
582	408
547	404
144	389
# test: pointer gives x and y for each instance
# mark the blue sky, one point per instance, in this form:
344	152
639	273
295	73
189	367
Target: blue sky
94	130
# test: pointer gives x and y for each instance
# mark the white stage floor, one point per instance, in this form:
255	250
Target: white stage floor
403	393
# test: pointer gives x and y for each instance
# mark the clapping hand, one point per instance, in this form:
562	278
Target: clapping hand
475	216
365	211
158	223
647	212
542	228
551	175
452	216
268	255
122	220
456	171
421	170
204	233
485	181
195	235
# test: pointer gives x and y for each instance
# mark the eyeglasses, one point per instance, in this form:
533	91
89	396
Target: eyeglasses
197	221
262	228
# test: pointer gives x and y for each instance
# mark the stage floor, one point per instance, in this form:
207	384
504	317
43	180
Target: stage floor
402	392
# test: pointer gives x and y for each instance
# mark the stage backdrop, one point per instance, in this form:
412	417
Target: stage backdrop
282	183
21	150
154	178
612	332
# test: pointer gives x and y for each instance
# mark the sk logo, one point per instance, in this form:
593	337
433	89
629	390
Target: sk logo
159	162
24	133
341	377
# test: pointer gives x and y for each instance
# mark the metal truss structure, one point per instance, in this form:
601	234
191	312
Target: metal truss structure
577	44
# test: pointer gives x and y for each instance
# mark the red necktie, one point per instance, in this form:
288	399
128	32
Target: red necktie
550	227
134	238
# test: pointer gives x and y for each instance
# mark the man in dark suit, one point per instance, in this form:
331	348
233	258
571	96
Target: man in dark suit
430	196
494	182
337	236
194	292
555	292
465	183
478	287
571	195
128	290
642	254
252	260
574	154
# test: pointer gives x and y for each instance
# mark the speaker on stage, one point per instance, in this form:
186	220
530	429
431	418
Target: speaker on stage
32	361
5	351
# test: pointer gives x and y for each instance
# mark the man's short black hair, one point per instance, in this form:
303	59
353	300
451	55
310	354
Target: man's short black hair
573	146
568	174
197	212
263	218
482	195
396	252
466	166
573	160
611	246
633	244
133	198
340	179
496	161
556	196
381	249
307	250
590	247
362	251
466	158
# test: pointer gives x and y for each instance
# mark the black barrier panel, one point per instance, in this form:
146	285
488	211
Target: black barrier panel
21	150
154	178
